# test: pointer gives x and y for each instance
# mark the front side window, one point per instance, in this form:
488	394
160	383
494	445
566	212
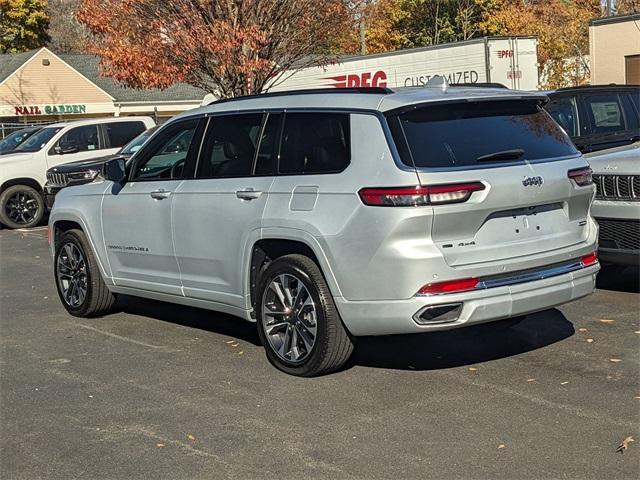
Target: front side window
564	111
167	155
477	133
315	143
121	133
38	140
78	139
230	146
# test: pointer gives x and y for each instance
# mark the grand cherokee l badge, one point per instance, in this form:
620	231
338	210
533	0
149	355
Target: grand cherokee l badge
533	181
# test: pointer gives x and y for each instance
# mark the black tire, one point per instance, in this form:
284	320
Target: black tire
98	300
29	198
333	345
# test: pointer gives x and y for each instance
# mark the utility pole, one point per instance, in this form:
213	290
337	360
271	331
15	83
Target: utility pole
609	8
363	37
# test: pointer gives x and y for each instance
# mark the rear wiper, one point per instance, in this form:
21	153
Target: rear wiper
514	154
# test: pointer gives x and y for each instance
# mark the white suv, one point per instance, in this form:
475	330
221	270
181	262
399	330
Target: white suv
325	216
23	171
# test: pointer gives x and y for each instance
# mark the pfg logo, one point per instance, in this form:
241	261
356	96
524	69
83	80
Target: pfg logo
533	181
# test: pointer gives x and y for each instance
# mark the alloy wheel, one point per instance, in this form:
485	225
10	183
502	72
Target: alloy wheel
289	318
22	208
71	270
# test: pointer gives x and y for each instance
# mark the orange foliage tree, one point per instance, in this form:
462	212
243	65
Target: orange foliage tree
227	47
562	30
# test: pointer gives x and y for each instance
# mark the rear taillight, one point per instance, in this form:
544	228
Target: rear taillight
582	176
419	196
450	286
590	259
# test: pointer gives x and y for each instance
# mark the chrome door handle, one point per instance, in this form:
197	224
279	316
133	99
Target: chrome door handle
248	194
160	194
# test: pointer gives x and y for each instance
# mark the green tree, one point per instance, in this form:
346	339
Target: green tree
23	25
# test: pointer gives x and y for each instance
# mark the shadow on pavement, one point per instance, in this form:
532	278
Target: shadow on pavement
619	279
208	320
464	346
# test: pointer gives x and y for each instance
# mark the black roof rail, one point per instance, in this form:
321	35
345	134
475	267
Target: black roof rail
308	91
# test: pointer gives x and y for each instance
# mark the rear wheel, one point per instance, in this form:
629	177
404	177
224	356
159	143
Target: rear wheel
298	323
80	286
21	206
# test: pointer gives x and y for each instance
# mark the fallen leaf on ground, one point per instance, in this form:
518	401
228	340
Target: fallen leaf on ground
502	445
589	340
473	369
637	331
615	360
582	330
160	445
625	443
190	437
637	398
531	379
240	352
231	341
605	320
234	345
563	383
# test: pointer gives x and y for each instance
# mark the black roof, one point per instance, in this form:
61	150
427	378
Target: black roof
611	86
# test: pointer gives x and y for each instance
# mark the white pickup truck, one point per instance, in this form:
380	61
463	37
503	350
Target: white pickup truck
23	171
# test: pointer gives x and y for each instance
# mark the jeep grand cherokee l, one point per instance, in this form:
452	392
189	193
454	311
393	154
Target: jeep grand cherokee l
323	216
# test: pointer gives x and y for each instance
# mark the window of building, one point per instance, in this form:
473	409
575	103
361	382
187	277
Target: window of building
315	143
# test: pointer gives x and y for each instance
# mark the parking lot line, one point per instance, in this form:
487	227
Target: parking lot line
124	339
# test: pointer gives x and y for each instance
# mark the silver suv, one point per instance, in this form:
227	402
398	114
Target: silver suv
323	216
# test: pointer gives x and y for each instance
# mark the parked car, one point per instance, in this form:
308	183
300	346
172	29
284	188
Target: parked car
13	140
23	172
326	215
598	117
79	173
616	208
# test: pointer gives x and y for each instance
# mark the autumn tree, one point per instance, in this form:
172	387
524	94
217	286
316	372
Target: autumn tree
562	30
67	35
624	7
228	47
23	25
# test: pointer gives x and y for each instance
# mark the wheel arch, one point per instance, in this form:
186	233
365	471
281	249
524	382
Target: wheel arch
28	181
277	244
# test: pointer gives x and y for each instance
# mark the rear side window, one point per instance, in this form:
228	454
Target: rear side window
230	146
565	112
477	133
605	113
315	143
121	133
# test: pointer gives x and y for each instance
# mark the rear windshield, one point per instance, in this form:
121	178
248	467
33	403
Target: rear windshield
461	134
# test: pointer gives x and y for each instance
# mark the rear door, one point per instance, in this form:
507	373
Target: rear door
217	213
528	206
76	144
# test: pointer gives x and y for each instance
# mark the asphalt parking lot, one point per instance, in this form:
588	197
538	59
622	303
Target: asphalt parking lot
162	391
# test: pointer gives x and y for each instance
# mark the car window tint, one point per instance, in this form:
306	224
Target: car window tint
564	111
230	146
168	153
458	134
605	113
630	113
38	140
267	160
121	133
83	138
315	143
635	99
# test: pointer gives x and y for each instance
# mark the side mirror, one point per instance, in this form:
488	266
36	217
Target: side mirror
66	148
115	170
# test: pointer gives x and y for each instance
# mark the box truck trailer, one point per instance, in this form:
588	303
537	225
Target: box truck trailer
510	61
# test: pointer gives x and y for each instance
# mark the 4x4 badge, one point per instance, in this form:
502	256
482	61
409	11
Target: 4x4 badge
533	181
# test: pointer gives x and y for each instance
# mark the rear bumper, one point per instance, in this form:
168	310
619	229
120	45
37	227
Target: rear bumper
478	306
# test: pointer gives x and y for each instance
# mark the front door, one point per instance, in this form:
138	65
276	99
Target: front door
218	214
137	218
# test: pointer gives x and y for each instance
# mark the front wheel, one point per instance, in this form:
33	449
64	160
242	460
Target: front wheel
21	206
298	322
80	286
